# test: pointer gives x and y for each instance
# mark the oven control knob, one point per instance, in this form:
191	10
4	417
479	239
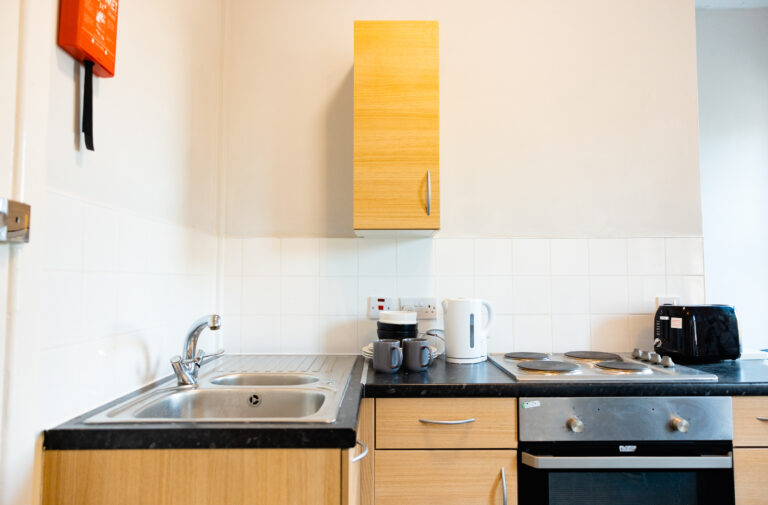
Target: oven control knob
636	353
680	424
575	425
667	361
654	357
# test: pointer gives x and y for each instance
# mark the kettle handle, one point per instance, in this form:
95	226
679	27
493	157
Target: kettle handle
490	316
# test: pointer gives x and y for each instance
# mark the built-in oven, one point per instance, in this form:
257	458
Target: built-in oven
626	450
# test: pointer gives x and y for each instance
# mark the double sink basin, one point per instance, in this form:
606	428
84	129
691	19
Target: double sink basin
244	388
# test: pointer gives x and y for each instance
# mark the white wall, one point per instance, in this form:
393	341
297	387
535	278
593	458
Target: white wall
308	295
123	254
733	95
559	118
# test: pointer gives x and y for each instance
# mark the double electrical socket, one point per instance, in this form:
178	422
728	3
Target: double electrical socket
425	307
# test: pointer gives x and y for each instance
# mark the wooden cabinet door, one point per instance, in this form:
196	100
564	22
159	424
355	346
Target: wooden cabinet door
396	125
750	421
445	477
192	477
750	468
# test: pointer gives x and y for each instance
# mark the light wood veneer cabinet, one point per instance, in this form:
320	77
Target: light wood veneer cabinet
421	459
750	454
208	476
396	126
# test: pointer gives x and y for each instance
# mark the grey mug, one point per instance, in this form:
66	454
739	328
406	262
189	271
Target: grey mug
418	354
387	356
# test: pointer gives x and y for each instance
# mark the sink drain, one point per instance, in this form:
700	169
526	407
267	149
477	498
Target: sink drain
254	400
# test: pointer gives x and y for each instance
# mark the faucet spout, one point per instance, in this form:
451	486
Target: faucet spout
212	322
188	364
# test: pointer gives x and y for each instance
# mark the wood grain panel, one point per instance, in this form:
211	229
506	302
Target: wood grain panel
444	477
398	425
365	432
750	468
748	430
357	478
192	477
396	124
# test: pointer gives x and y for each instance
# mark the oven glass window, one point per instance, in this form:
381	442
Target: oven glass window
627	488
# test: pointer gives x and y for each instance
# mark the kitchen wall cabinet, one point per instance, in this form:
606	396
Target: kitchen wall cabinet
750	454
420	460
194	477
396	126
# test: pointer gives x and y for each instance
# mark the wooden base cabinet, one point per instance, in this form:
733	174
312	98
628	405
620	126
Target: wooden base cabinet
750	468
445	477
194	477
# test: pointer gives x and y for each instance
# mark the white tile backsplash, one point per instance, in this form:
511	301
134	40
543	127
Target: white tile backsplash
570	294
608	294
377	256
530	257
300	256
645	256
569	256
493	256
643	290
338	256
455	256
533	333
553	294
685	256
608	257
261	256
415	256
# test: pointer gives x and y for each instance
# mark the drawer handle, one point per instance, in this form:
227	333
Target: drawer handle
362	454
461	421
761	418
504	484
429	193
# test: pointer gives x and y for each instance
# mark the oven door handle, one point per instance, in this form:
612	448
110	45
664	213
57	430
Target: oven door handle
625	462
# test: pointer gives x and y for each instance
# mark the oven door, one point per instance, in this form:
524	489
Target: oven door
571	474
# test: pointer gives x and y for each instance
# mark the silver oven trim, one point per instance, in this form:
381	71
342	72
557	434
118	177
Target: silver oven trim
625	419
625	462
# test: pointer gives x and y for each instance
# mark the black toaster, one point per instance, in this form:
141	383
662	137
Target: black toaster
696	333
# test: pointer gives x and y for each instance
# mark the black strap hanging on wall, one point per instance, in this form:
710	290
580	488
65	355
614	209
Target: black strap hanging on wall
88	105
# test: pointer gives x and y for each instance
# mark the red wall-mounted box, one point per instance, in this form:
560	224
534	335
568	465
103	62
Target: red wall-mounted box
88	31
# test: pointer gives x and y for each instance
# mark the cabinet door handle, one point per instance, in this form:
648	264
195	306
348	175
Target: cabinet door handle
362	454
762	418
504	484
429	193
460	421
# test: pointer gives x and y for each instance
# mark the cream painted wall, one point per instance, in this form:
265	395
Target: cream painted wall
124	241
733	96
558	117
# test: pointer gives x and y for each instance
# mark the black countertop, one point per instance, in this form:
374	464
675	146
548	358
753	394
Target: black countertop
75	434
735	378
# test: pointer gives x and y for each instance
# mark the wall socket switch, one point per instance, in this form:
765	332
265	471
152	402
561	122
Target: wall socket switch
667	300
425	307
378	303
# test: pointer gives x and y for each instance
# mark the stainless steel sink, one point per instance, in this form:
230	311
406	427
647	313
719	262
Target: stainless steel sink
264	379
228	404
244	388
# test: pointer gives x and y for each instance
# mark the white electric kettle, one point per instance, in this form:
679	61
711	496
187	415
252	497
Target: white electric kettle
465	334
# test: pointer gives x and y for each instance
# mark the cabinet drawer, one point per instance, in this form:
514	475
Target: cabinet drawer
748	428
445	477
417	423
750	466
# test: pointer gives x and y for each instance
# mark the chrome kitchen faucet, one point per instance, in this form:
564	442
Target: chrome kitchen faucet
188	364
